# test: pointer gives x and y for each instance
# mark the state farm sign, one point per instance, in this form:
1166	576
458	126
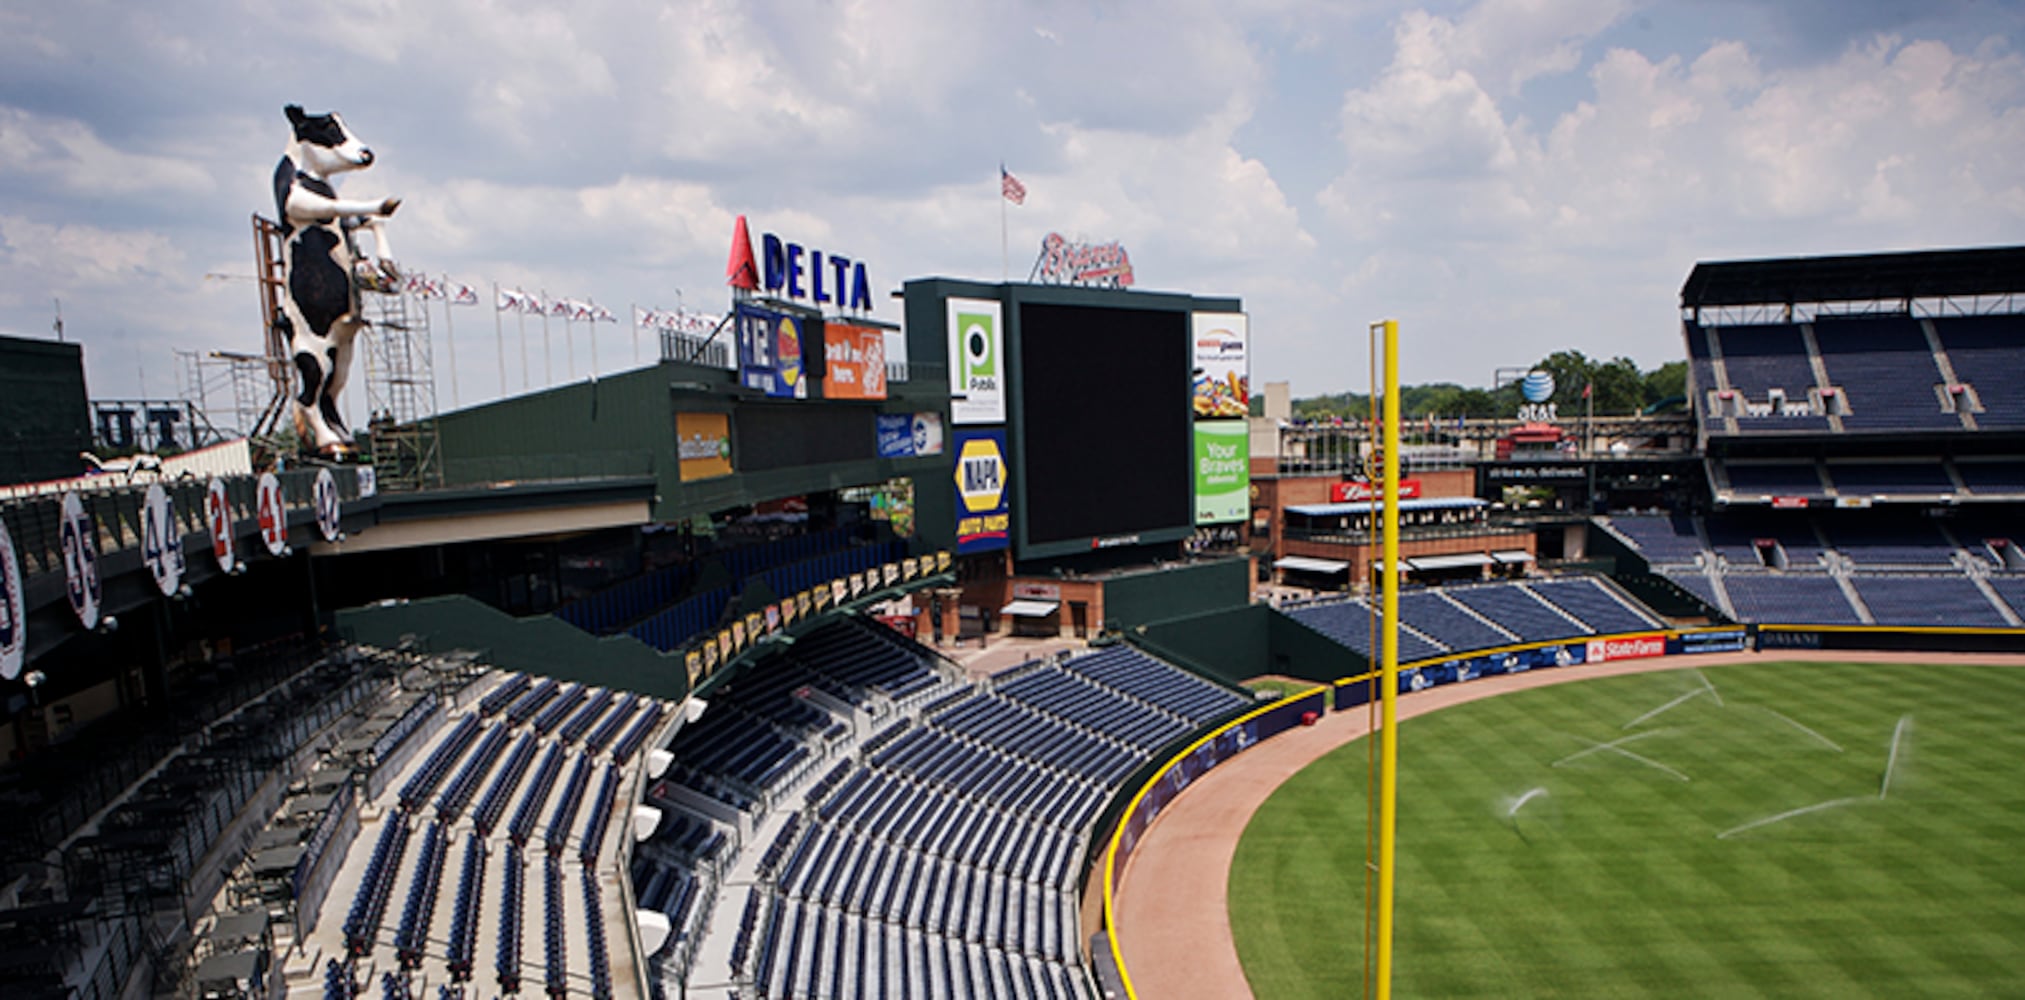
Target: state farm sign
1631	647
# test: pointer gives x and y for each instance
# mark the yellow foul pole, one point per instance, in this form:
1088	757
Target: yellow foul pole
1388	766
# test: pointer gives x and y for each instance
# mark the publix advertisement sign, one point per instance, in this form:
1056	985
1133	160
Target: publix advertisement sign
1222	471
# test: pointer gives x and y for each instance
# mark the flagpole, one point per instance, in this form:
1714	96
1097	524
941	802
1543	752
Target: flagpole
1004	246
450	339
594	343
636	333
520	312
570	345
499	340
547	346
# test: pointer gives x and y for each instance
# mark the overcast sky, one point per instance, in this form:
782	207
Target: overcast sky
1505	177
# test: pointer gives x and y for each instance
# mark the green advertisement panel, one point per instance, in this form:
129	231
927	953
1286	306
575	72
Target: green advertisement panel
1223	478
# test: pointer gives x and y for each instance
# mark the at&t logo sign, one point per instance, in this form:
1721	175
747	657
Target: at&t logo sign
1537	388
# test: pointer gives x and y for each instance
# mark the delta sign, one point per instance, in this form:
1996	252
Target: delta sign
983	519
790	271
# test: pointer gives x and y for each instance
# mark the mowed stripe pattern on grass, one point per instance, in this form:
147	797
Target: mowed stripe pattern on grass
1615	884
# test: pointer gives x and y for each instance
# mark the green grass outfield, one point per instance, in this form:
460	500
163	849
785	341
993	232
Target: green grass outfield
1616	880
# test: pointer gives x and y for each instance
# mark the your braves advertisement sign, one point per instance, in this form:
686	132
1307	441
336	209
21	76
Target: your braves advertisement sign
983	515
854	362
1222	471
770	352
13	610
1222	379
976	362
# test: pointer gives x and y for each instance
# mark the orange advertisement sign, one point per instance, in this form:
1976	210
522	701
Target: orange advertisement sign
855	362
703	445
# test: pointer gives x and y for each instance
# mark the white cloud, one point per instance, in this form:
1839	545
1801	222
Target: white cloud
68	156
1893	144
1507	177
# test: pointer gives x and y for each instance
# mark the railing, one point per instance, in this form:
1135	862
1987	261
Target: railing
1418	533
115	509
691	349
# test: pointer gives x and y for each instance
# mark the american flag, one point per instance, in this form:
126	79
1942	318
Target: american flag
1011	187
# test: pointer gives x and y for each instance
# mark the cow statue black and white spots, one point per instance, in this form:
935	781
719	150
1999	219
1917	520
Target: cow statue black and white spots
323	271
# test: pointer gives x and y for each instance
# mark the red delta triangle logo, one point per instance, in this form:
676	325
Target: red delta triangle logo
740	271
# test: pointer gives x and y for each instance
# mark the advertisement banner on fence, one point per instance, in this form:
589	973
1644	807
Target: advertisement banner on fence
1206	757
909	435
1222	379
1630	647
702	445
1223	479
770	352
854	362
1730	640
1469	668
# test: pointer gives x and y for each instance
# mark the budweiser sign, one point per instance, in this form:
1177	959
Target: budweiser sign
1358	489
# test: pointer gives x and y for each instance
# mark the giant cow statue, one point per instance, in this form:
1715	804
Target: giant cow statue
318	315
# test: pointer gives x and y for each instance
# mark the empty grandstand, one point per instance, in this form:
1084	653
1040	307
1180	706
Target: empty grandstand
1463	619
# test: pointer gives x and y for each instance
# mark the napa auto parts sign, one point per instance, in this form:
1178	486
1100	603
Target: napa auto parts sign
1630	647
983	516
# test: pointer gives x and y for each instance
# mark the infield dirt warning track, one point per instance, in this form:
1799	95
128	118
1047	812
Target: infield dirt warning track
1173	905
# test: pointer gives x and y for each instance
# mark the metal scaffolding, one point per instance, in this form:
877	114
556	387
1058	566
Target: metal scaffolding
399	391
400	372
230	390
